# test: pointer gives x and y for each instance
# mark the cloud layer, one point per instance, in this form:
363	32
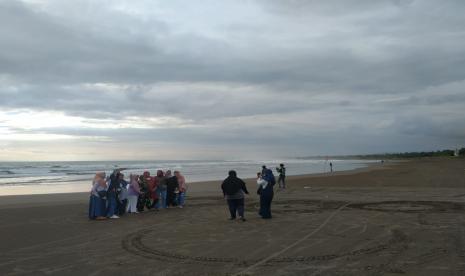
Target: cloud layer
230	79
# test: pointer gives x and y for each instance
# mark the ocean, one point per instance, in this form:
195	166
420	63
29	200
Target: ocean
64	177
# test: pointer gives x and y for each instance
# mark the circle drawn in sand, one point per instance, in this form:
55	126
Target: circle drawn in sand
134	244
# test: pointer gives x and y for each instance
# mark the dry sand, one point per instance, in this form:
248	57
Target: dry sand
403	218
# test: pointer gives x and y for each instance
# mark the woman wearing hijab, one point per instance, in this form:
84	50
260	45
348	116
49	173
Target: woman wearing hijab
112	194
122	202
97	197
265	190
133	193
171	186
233	190
161	189
182	188
151	190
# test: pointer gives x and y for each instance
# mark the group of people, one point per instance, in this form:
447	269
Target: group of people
113	196
234	190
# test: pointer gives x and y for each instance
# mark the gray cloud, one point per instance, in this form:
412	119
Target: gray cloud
308	77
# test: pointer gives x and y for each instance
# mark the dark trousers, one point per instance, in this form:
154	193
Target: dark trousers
170	197
282	181
121	206
265	204
236	205
111	208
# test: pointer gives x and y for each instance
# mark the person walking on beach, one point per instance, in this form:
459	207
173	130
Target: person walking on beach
98	193
233	190
182	188
331	166
282	176
265	190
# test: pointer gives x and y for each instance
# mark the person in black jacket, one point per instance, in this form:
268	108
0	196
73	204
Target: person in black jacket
112	194
172	186
233	190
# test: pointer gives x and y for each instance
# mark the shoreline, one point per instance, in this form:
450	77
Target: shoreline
77	196
40	185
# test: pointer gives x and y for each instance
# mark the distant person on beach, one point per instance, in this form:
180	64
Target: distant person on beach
233	190
182	188
264	168
330	166
97	204
133	194
265	190
282	176
172	186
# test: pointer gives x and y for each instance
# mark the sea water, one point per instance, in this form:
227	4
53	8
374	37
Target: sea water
64	177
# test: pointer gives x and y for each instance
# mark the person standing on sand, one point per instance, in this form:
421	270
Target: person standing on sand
152	196
282	176
171	186
264	168
122	195
265	190
182	188
161	189
112	194
233	190
133	193
97	202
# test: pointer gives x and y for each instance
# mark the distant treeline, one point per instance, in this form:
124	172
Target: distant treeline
413	154
381	156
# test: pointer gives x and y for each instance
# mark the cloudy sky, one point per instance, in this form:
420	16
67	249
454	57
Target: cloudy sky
111	79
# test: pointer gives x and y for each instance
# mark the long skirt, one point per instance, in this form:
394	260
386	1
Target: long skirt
170	197
132	206
97	207
112	205
265	203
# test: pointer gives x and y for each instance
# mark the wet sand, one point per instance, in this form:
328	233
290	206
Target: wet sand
403	218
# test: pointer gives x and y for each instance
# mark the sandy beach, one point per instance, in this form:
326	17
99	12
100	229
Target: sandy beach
399	218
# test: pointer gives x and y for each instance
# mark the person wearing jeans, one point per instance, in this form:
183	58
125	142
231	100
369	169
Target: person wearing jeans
182	188
161	190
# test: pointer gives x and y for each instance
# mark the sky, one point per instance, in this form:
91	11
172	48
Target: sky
230	79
